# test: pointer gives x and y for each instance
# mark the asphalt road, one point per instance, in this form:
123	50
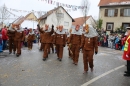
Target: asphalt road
30	70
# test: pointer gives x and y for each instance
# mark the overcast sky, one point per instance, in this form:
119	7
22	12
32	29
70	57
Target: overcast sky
38	5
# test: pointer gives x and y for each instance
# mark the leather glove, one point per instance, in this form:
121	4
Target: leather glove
52	26
96	52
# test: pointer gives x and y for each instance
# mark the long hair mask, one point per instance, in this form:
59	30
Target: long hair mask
11	28
46	27
77	27
31	32
92	32
77	31
60	28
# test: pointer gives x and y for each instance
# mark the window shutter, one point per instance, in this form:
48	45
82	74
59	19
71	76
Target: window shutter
116	12
106	12
121	12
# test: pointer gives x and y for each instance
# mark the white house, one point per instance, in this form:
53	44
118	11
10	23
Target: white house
81	21
57	16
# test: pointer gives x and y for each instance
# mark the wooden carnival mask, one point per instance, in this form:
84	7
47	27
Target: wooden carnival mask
77	27
14	26
46	27
86	28
57	27
60	28
30	30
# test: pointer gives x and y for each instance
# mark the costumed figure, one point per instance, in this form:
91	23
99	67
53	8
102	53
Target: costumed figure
46	39
90	46
18	38
60	41
75	40
126	55
30	39
11	34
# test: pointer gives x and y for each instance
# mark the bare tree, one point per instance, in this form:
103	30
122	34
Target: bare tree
85	9
39	14
4	14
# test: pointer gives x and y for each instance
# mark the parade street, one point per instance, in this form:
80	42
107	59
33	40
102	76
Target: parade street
30	70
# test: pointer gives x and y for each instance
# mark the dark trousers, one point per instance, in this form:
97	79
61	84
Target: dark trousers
30	44
12	45
59	50
128	66
75	49
18	47
46	49
88	59
4	44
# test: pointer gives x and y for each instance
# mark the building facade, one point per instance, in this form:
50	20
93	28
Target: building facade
115	14
57	16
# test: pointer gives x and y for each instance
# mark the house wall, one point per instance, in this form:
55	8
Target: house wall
116	20
52	19
42	22
91	21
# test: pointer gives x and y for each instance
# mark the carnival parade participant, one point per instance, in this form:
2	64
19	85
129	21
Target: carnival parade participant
75	40
18	38
30	39
90	46
11	35
60	42
46	39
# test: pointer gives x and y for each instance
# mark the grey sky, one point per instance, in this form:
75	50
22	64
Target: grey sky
39	5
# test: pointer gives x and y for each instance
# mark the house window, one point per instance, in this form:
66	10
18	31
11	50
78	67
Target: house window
111	12
125	12
61	15
66	23
124	25
109	26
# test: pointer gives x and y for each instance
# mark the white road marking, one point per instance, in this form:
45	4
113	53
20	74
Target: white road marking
102	75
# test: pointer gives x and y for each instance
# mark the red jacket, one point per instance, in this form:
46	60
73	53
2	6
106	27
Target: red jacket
127	52
4	34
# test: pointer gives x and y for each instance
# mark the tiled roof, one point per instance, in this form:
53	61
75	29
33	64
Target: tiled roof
80	20
113	2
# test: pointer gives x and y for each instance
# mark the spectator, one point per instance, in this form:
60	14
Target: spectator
4	37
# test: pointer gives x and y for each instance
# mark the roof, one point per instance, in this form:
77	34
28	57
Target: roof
113	2
80	20
31	16
51	11
19	20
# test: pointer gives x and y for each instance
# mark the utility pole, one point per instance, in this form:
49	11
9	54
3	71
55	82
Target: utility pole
33	18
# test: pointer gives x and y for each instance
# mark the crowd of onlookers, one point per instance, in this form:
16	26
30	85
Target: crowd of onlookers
113	41
4	37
